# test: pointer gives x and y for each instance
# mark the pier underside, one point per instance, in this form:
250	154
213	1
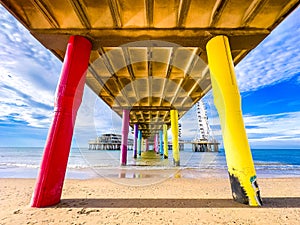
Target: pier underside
150	56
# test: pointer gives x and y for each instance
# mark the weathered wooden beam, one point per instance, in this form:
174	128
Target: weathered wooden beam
149	6
115	13
81	13
183	9
217	12
255	7
42	7
150	108
244	38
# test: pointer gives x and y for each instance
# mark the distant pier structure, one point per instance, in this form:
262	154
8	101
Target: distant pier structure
181	142
205	141
109	142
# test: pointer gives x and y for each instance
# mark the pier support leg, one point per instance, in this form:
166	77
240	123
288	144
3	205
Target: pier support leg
166	147
49	183
175	131
161	149
125	129
147	144
156	143
135	140
139	143
228	102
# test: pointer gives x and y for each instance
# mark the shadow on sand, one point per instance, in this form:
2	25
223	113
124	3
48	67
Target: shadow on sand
276	202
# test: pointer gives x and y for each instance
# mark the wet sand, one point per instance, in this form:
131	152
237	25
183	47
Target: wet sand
147	200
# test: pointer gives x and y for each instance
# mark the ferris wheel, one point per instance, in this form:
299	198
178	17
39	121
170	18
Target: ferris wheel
203	125
204	141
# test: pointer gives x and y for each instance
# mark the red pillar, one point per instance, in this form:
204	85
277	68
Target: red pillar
69	92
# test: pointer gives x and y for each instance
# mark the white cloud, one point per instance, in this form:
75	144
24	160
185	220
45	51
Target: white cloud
29	74
278	130
276	59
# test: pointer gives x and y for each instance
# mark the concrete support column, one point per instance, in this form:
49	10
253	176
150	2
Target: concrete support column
228	103
147	144
125	130
161	149
69	92
175	131
139	143
156	143
166	147
135	140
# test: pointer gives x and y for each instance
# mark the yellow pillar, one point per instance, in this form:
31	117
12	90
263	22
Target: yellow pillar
166	150
228	103
175	143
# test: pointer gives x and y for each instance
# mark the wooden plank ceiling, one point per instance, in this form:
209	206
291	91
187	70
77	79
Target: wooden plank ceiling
149	56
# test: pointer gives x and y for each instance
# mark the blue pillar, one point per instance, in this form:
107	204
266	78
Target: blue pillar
161	149
139	143
136	130
156	143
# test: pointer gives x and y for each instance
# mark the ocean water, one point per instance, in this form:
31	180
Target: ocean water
84	163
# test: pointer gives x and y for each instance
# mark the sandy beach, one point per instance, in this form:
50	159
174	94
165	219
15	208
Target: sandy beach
172	201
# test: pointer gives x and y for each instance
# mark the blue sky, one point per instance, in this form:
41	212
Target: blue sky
269	81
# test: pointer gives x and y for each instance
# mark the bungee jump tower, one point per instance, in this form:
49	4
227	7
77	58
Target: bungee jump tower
150	61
